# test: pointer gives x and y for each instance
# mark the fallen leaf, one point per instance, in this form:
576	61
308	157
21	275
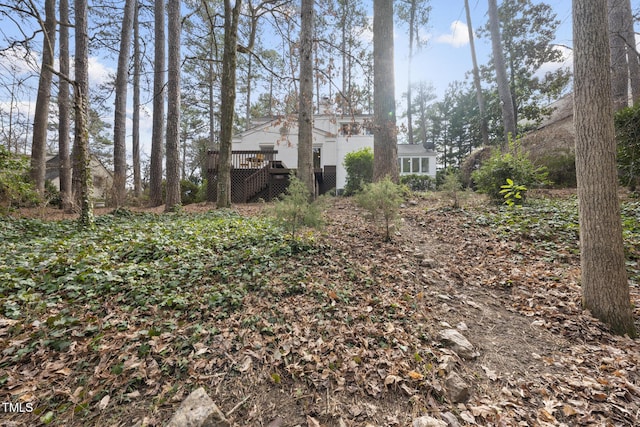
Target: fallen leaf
246	364
64	371
415	375
568	411
104	402
491	374
545	416
312	422
600	397
392	379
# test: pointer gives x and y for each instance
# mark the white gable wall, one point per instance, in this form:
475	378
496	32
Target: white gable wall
326	136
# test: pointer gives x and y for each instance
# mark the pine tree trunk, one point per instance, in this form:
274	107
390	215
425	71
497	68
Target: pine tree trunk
120	118
64	111
41	116
506	100
632	52
617	44
173	109
81	170
228	93
157	133
412	19
484	128
385	149
305	113
605	288
135	131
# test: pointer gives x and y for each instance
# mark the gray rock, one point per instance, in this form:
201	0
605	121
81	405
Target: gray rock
428	263
198	410
451	419
457	388
458	343
428	422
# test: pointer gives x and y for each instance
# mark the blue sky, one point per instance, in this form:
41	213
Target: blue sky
447	56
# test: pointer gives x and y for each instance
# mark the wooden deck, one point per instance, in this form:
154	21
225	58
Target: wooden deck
257	175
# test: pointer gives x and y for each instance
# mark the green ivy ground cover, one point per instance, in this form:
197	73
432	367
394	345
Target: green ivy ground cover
173	261
552	224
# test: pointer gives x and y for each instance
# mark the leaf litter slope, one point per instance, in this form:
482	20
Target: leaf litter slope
342	330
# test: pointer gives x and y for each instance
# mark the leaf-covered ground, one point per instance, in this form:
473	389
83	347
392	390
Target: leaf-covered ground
116	326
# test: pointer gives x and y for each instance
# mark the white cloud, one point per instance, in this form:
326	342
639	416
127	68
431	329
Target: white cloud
458	37
565	62
99	73
18	61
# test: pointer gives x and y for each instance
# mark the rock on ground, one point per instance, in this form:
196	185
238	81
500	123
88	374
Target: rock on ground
198	410
428	422
458	343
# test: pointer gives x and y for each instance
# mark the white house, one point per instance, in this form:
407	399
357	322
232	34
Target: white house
102	178
334	136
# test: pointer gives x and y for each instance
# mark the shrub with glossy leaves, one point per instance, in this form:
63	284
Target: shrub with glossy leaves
359	167
513	164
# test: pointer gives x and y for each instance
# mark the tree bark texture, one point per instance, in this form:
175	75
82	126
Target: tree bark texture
173	108
64	153
506	100
81	170
227	107
305	112
135	131
41	115
157	132
120	118
385	150
617	44
632	52
604	280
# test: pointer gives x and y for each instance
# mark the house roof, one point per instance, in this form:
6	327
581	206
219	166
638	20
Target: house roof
414	150
276	124
53	166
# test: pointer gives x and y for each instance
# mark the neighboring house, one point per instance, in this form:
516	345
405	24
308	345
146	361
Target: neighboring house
416	160
101	176
334	136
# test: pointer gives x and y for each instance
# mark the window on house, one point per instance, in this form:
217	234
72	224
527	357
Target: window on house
406	165
409	165
415	165
425	165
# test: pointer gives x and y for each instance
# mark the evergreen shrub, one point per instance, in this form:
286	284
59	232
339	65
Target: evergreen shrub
359	167
514	164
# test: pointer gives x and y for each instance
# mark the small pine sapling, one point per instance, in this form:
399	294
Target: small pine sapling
382	200
293	210
452	187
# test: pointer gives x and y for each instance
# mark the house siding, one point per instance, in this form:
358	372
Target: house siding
333	135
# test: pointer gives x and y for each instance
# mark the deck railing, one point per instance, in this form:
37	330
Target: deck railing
244	159
255	183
